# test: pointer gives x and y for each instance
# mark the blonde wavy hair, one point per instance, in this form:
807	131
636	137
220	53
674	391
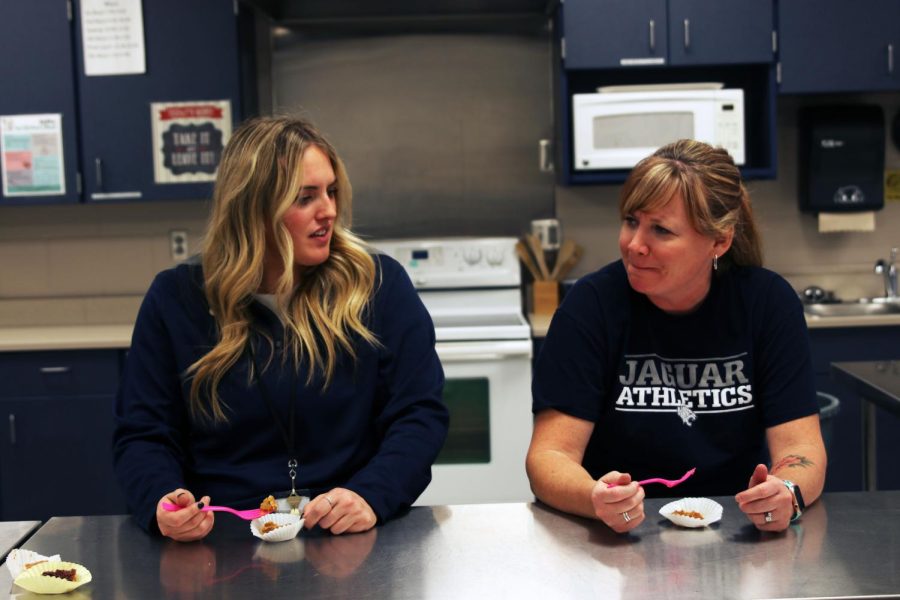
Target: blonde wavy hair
259	178
715	197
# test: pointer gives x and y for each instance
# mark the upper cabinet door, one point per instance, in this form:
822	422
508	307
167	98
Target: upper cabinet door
37	78
191	51
614	33
710	32
839	46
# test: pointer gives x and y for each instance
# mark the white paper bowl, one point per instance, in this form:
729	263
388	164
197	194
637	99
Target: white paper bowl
710	509
18	559
35	581
288	527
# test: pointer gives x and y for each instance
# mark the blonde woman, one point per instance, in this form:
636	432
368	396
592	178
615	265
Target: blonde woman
685	353
290	361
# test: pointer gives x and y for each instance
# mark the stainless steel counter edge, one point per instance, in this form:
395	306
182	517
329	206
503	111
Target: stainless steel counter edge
65	337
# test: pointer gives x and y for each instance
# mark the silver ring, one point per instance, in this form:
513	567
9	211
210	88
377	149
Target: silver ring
330	501
625	516
769	517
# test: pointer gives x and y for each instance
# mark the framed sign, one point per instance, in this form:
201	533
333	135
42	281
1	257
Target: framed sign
188	138
31	155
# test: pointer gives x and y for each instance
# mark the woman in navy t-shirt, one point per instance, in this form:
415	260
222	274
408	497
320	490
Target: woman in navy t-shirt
686	353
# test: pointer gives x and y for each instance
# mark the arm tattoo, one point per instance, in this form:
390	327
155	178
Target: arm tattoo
790	461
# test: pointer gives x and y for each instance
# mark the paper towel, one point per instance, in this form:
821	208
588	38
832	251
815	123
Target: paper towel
857	221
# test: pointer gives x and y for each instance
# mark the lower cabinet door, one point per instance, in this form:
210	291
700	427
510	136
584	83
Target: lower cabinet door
56	458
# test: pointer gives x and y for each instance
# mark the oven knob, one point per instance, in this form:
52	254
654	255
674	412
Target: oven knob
472	255
494	257
420	279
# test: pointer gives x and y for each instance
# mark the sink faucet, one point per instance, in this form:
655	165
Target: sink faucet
889	270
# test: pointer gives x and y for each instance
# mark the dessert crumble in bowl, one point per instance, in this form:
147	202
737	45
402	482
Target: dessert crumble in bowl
692	512
53	577
276	527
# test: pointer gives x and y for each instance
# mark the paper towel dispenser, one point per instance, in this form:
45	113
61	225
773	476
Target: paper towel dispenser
841	158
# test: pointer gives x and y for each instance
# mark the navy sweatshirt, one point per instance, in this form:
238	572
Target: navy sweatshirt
376	429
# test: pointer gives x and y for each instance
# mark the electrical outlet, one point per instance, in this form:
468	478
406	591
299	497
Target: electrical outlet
178	244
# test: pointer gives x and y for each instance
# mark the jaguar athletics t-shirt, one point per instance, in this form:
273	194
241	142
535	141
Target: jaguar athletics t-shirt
670	392
653	383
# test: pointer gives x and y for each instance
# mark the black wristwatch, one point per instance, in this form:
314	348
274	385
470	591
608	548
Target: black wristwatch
799	504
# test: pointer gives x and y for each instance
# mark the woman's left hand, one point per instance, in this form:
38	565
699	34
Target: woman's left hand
339	511
766	495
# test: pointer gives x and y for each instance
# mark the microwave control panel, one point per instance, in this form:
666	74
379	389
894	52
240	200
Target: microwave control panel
730	130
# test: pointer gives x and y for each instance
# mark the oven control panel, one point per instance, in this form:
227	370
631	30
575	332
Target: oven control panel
456	262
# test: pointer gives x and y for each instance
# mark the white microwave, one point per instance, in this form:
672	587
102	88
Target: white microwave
616	129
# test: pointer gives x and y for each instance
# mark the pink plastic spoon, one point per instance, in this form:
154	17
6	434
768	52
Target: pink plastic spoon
665	482
249	515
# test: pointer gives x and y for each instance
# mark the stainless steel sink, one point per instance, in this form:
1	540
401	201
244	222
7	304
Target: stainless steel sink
863	308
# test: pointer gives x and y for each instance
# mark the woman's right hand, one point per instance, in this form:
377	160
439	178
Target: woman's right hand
187	524
611	504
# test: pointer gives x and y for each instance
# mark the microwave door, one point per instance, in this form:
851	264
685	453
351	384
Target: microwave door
611	135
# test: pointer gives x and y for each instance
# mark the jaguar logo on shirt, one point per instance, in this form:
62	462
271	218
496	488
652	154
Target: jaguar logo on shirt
686	387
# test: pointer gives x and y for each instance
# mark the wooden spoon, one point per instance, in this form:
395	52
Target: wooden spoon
563	266
565	251
534	244
528	261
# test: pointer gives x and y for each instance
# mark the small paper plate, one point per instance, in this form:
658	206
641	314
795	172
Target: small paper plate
20	559
288	527
710	511
35	581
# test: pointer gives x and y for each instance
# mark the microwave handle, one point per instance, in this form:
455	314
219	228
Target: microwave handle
687	33
890	58
652	35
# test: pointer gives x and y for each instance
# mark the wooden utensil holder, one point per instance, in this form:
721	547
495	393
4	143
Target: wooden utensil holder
544	297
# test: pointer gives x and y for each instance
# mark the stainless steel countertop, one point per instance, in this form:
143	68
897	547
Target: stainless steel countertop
875	381
12	533
845	546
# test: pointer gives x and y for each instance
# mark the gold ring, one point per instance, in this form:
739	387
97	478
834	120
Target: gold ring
769	517
625	516
330	501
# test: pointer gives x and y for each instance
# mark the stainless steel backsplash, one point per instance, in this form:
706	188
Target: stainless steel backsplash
440	132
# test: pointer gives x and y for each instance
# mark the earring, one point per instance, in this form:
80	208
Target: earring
715	262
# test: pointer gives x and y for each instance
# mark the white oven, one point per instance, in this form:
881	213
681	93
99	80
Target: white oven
470	286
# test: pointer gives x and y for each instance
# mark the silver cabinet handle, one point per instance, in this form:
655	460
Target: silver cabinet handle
50	370
98	171
12	430
687	33
652	35
546	156
890	57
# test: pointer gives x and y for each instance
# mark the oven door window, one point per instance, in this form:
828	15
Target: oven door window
469	439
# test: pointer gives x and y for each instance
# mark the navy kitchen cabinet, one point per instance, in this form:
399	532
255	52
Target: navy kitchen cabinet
37	78
845	457
601	34
605	33
606	43
838	46
718	32
56	421
191	53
